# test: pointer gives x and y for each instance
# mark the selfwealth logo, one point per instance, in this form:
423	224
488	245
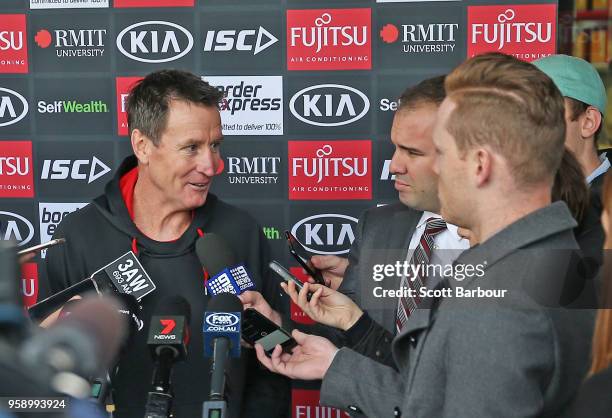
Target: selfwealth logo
329	39
253	41
73	43
252	105
13	44
16	169
329	105
330	170
123	87
72	106
526	31
431	38
154	41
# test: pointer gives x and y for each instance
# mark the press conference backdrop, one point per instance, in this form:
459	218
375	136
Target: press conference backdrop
311	88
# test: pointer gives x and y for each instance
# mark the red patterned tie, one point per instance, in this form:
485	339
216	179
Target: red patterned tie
420	255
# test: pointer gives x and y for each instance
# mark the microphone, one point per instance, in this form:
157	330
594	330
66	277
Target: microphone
167	340
221	338
122	275
82	344
215	256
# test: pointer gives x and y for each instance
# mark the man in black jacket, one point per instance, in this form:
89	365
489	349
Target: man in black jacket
157	206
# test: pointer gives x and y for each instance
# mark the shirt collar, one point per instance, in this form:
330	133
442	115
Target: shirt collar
603	167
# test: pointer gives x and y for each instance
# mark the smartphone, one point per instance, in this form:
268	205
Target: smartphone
284	274
39	247
257	329
298	252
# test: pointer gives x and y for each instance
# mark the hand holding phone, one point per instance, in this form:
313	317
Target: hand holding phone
297	250
257	329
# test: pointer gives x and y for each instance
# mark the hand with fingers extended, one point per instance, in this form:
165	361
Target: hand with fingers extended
326	306
332	268
255	300
309	360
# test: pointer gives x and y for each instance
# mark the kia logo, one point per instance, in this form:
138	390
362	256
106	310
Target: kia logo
10	107
154	37
328	233
222	320
15	227
329	105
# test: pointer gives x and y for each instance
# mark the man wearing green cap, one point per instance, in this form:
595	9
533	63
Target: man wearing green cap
585	105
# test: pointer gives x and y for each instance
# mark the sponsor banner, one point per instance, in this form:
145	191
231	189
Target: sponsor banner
390	88
525	31
252	105
50	215
16	169
14	107
71	43
75	106
335	105
305	404
329	39
323	230
385	185
122	87
68	4
421	39
17	223
69	169
330	170
247	40
29	284
153	3
252	171
146	42
273	220
13	44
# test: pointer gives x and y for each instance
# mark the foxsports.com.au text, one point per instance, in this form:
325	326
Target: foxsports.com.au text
417	274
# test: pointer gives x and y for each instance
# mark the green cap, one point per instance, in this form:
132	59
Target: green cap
575	78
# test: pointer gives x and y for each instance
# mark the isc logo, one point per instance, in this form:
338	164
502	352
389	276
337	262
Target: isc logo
244	40
74	169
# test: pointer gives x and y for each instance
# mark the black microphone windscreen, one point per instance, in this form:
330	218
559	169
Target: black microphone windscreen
224	302
174	306
130	311
214	253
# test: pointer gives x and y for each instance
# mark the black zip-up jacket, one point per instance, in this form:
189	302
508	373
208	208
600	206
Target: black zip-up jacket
103	230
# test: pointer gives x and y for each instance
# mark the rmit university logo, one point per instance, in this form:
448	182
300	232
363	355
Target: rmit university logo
168	324
13	107
329	39
329	105
13	44
421	39
16	173
253	170
337	170
327	233
525	31
154	41
123	86
73	42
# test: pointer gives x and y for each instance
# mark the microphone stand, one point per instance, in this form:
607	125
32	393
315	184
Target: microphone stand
159	400
216	405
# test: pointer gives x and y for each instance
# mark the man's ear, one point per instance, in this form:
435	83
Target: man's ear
141	145
482	165
590	121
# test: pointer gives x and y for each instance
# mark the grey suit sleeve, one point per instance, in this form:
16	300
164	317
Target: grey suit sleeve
350	285
356	383
370	339
508	378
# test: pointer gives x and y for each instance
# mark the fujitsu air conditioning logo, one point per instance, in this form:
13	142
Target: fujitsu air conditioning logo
16	173
73	43
329	39
13	44
252	170
422	39
525	31
306	404
154	41
336	170
329	105
253	41
123	87
13	107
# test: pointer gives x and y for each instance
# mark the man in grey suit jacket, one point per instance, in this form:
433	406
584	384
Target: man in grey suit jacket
517	352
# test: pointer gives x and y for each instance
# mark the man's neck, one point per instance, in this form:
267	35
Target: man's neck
588	159
500	213
154	216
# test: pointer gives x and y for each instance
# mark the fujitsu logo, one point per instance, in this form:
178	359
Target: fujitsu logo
326	34
324	166
11	40
508	31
